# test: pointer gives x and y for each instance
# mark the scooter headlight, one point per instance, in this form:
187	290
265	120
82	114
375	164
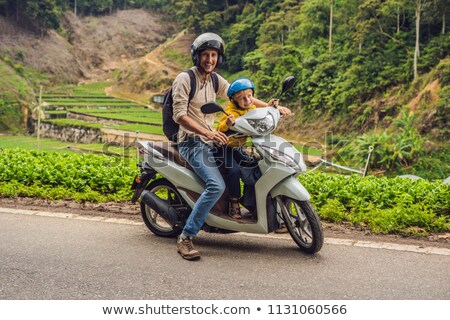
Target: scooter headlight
284	158
264	125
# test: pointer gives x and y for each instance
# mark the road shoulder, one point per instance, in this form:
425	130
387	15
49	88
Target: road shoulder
131	212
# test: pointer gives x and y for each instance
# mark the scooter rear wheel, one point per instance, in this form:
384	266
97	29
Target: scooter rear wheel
303	224
154	222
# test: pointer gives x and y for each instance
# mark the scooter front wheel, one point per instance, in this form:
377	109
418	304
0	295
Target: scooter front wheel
303	223
154	222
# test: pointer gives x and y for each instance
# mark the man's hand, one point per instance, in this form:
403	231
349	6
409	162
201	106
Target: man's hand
217	137
285	112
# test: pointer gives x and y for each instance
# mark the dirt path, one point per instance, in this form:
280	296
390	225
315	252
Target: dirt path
127	210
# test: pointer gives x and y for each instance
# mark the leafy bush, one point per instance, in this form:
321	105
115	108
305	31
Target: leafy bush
384	205
10	116
400	147
57	175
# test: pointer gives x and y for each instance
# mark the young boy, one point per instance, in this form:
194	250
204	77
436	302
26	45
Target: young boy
240	94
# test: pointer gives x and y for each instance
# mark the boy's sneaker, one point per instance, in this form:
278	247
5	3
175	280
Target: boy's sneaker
282	228
186	248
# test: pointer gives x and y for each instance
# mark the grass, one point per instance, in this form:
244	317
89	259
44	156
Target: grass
126	127
379	205
75	123
56	112
178	57
87	103
306	150
93	99
136	115
133	114
53	145
30	143
140	128
90	99
95	88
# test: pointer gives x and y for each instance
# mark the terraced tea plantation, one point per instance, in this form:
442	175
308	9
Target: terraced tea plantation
88	106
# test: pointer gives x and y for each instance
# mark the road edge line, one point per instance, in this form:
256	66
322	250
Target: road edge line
332	241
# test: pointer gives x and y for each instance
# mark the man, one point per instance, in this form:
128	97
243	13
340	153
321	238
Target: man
197	135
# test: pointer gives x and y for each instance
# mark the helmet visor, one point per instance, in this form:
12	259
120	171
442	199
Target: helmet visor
213	44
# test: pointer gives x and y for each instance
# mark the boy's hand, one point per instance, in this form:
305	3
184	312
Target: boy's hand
230	120
273	103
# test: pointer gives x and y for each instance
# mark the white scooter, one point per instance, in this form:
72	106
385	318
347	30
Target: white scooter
168	188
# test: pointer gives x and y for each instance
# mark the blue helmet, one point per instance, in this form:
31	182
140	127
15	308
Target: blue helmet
239	85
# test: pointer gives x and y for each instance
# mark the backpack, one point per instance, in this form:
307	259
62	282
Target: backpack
170	127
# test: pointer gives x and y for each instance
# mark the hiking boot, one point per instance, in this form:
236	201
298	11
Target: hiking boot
186	248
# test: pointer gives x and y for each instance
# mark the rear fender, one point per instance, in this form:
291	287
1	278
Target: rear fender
141	181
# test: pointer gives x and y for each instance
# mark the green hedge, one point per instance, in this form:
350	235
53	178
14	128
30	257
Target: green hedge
383	205
64	176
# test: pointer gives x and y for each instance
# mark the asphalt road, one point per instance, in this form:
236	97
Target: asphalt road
45	257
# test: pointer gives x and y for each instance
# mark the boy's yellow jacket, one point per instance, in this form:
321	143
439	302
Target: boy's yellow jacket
236	112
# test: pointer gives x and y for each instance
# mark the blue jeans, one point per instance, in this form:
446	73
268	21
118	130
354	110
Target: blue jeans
201	157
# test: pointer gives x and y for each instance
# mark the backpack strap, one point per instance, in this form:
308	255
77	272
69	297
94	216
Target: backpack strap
193	84
215	81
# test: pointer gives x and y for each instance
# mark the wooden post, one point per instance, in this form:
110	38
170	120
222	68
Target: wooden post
417	50
135	145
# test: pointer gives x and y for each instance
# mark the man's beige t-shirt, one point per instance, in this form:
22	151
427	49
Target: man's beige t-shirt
204	93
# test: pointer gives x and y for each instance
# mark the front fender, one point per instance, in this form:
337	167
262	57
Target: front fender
291	188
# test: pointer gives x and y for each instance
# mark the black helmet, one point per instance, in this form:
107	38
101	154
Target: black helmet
204	41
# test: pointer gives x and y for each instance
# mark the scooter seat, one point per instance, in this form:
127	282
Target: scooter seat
170	152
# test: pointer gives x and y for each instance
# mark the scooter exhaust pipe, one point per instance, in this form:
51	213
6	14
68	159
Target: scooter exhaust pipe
169	214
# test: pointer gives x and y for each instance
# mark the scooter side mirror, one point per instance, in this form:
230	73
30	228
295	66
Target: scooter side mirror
211	107
287	84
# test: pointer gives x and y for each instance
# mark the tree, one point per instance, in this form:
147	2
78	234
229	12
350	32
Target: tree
44	14
191	13
312	20
420	7
417	47
330	45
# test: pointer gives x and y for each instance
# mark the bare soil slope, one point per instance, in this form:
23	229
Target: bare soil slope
152	74
87	47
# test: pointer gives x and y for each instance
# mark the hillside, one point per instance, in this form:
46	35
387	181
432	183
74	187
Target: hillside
152	74
426	96
357	95
407	124
84	49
